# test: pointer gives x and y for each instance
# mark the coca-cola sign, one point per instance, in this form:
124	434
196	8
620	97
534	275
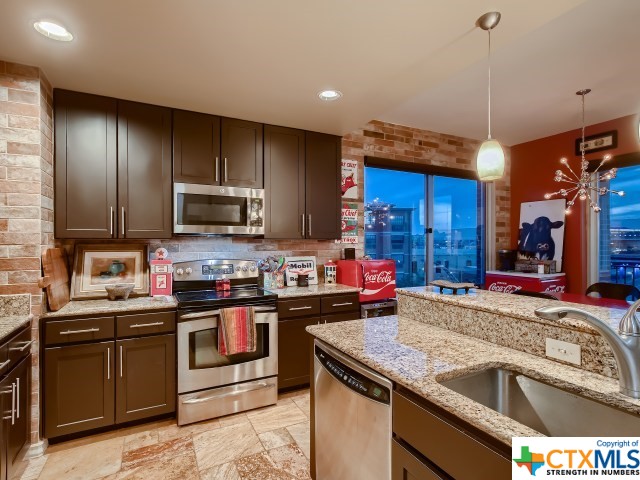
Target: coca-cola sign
504	287
378	277
554	289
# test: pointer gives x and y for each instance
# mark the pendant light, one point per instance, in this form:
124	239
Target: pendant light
490	159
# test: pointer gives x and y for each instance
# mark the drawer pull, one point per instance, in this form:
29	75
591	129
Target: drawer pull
142	325
13	403
253	388
307	307
343	304
22	348
4	364
108	363
87	330
18	397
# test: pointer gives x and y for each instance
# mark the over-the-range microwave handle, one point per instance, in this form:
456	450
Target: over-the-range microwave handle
212	313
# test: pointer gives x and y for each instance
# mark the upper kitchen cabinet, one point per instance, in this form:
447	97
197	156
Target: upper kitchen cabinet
284	180
323	193
85	165
144	171
196	148
302	183
241	154
112	168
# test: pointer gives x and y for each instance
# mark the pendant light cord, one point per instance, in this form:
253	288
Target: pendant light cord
582	145
489	96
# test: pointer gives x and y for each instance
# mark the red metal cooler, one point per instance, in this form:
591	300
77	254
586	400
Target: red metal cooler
375	278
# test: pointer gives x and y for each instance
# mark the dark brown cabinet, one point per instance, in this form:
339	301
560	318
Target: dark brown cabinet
90	384
112	168
79	387
302	178
407	466
144	171
294	316
145	384
85	165
241	153
196	148
16	390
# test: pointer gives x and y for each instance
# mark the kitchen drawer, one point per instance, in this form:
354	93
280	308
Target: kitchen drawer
407	465
81	330
145	324
340	317
441	441
19	347
340	303
300	307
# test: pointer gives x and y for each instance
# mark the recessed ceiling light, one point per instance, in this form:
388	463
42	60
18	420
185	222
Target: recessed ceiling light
329	95
53	31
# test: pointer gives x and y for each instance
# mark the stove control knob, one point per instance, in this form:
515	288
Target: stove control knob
188	271
179	271
244	269
252	268
238	269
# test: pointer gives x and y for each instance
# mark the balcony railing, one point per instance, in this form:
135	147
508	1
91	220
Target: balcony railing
625	269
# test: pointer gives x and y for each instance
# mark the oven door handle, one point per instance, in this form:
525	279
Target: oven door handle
259	386
213	313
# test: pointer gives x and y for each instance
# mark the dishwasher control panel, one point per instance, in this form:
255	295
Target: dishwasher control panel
352	379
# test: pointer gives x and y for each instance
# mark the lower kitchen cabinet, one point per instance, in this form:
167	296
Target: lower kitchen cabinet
79	388
16	390
407	466
293	351
145	382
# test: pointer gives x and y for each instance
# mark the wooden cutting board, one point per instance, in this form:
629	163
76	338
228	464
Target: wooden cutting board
56	277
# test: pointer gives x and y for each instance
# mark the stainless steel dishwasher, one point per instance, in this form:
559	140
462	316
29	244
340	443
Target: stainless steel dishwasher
352	418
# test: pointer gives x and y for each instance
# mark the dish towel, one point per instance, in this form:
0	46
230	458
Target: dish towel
237	331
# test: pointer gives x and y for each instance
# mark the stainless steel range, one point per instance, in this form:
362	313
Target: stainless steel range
209	384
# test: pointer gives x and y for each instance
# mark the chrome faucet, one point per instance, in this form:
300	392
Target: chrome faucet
625	342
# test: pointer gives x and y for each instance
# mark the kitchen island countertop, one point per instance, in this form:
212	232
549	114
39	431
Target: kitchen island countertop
417	355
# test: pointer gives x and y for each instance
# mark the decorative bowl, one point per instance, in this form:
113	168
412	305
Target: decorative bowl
119	290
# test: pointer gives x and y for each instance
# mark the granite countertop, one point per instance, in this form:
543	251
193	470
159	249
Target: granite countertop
518	306
11	323
416	355
320	289
540	276
104	306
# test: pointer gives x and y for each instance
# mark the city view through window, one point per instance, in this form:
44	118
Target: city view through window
619	255
431	226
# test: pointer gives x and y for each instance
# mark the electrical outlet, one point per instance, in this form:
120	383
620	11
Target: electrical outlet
565	351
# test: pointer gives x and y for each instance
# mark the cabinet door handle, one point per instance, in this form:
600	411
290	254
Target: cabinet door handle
111	221
4	364
343	304
108	363
13	403
226	175
120	361
307	307
309	226
123	221
259	386
142	325
86	330
217	168
22	348
303	226
18	397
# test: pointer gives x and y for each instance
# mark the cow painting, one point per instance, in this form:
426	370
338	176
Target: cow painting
535	239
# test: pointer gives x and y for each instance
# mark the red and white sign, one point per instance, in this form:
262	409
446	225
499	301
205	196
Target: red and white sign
375	278
505	283
161	274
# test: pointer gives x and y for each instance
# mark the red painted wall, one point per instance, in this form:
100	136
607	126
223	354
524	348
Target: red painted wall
532	170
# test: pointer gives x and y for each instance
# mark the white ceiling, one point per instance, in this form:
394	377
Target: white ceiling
414	62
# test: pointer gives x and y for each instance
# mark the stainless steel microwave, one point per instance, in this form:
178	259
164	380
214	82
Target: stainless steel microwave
210	209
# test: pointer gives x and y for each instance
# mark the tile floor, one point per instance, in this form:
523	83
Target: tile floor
271	443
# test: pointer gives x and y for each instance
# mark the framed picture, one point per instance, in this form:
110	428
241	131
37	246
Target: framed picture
598	143
95	266
541	235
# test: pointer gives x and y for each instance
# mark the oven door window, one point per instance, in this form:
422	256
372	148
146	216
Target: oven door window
194	209
203	349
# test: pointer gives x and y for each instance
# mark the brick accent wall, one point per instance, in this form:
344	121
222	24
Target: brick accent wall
26	193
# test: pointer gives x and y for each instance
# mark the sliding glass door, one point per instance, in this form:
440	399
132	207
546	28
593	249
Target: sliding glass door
431	226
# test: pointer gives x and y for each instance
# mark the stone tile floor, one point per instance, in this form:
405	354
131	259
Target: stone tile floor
270	443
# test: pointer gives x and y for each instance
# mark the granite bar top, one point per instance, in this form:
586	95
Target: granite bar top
540	276
104	306
518	306
417	355
320	289
12	323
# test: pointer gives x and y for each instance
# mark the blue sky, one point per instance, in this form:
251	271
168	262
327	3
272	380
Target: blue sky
625	211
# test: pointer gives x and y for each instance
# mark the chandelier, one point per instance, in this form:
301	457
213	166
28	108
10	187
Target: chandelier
582	186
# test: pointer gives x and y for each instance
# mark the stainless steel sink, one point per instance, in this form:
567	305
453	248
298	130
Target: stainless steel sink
547	409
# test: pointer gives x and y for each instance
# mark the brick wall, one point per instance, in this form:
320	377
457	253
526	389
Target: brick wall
26	192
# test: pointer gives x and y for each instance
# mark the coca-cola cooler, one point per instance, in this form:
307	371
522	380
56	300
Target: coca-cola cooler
376	280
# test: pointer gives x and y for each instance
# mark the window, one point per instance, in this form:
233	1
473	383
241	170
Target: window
431	226
619	229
